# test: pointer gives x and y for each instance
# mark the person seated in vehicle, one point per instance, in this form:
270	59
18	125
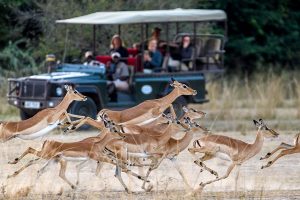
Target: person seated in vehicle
89	59
117	46
186	50
152	58
156	36
118	76
181	60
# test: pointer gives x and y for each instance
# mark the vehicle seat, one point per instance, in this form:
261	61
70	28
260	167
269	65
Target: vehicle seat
132	52
103	59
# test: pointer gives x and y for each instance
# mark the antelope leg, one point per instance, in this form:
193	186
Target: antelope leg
177	167
28	151
281	146
62	172
31	162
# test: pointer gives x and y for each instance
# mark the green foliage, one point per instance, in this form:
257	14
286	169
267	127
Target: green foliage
15	61
262	32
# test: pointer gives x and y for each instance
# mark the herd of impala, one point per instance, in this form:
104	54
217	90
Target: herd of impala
137	137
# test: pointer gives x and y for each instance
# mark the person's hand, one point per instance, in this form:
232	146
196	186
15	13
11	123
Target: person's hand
108	64
146	57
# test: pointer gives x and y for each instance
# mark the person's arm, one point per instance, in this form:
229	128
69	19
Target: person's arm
156	60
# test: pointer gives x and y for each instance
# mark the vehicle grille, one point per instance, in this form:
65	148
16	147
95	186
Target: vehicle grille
33	89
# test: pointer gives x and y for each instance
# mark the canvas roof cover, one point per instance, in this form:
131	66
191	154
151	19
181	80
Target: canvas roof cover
148	16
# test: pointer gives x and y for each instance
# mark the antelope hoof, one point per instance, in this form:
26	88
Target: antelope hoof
13	175
128	191
13	162
67	123
149	188
201	170
194	192
73	187
215	173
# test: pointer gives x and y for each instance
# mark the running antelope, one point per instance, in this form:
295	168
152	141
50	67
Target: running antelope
149	110
89	148
234	150
173	147
287	149
43	122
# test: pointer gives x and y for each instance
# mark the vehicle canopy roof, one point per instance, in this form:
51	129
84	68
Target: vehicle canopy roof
148	16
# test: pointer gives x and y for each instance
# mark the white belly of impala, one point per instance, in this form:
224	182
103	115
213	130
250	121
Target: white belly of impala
223	156
39	133
140	155
148	121
69	158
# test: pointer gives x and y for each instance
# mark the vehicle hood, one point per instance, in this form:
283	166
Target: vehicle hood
59	75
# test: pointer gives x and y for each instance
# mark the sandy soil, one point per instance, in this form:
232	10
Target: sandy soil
281	181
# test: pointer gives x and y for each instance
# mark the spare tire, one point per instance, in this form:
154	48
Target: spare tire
177	105
86	108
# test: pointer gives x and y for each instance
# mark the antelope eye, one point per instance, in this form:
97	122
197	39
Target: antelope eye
184	86
75	92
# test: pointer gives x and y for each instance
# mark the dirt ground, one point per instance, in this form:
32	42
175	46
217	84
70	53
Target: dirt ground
281	181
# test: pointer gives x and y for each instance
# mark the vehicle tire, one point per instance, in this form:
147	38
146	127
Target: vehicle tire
84	108
178	104
24	115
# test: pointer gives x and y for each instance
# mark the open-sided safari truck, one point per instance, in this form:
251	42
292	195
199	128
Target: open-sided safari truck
33	93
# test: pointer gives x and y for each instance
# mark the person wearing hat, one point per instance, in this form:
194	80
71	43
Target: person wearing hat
118	76
89	59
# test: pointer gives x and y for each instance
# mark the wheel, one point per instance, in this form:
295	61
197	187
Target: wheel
177	105
24	115
84	108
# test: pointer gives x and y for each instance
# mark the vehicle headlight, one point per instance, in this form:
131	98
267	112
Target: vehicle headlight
59	91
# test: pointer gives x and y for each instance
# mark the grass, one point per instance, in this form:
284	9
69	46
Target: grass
261	95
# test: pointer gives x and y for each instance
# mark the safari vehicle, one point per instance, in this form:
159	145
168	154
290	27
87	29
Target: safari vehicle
33	93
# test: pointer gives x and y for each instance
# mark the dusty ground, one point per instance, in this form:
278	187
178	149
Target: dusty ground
281	181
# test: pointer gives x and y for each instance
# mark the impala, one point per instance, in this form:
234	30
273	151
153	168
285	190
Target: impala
44	121
287	149
89	148
173	147
235	150
149	110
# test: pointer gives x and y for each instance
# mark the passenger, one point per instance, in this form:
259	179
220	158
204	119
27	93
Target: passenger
186	50
154	35
116	46
118	76
152	58
181	62
89	59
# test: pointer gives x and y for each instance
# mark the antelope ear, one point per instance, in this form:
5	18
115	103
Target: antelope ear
256	123
185	109
67	87
261	122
